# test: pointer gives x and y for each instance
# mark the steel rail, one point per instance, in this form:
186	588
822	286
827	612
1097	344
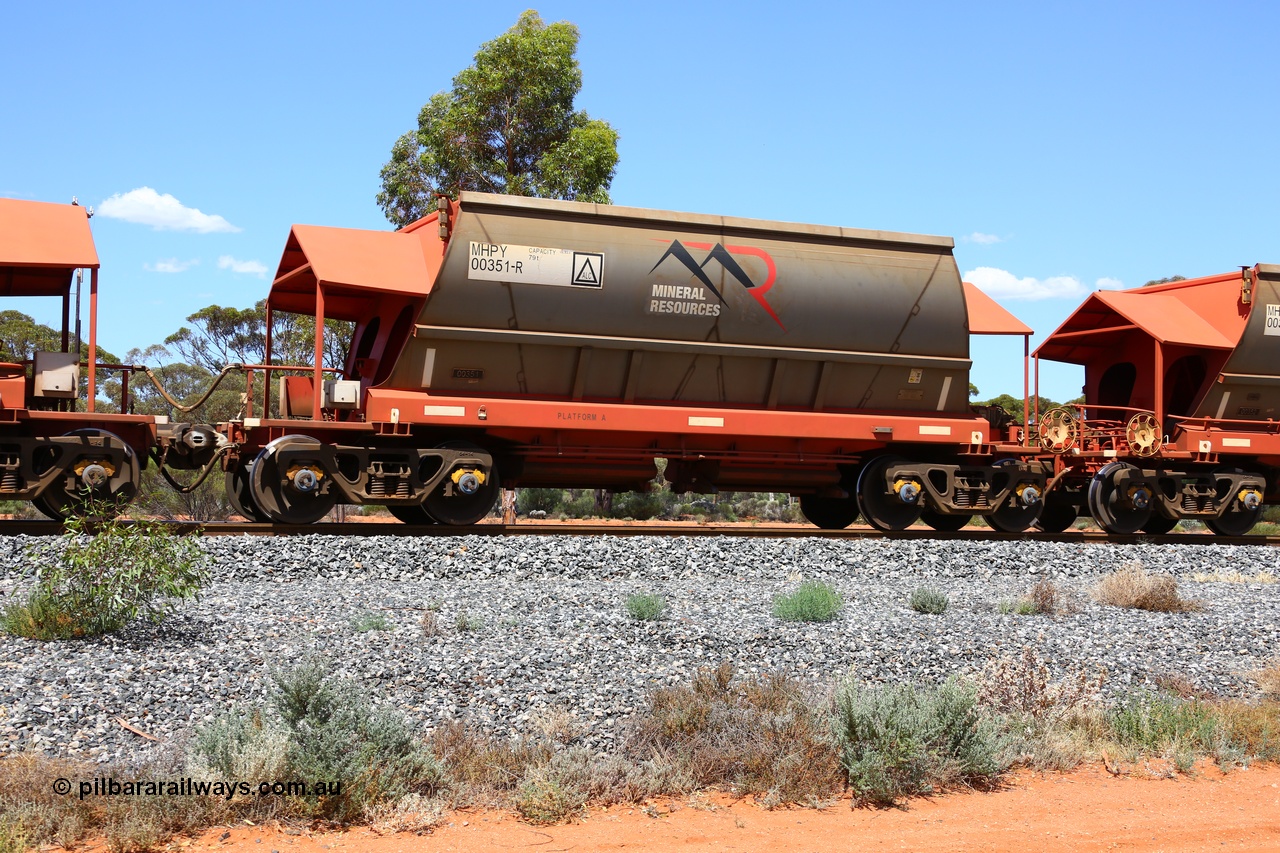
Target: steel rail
749	531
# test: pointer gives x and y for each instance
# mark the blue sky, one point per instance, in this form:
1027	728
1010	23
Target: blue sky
1065	146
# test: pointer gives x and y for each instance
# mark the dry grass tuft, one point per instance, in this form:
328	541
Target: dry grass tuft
1233	577
766	735
1268	678
1134	587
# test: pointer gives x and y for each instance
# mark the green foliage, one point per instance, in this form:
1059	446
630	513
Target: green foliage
507	126
899	741
1157	723
103	574
640	506
928	600
533	500
465	622
220	336
1166	280
1013	405
645	606
319	728
813	601
545	798
371	621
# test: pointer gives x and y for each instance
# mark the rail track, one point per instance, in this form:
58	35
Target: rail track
748	531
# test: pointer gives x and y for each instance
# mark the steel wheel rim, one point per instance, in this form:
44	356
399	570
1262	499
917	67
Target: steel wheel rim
829	513
281	503
881	509
462	511
944	523
410	514
1106	502
1055	519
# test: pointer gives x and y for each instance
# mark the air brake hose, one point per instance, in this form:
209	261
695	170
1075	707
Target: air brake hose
142	368
204	472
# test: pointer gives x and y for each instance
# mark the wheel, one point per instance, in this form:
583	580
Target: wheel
829	513
882	508
104	485
1238	519
239	497
1236	523
1012	516
1055	518
410	514
450	503
1111	505
1158	524
295	495
944	523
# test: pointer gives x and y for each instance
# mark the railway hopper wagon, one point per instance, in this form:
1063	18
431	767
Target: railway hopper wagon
1181	418
57	450
507	341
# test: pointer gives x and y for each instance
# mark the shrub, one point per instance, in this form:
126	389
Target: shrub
1021	685
645	606
464	622
765	735
899	741
318	728
813	601
101	575
370	621
1134	587
1155	723
1268	678
932	601
1044	599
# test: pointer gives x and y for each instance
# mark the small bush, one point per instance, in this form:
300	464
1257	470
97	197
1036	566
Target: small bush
101	575
431	626
1268	678
370	621
764	735
899	741
465	622
544	797
1134	587
813	601
931	601
1162	724
320	729
1044	599
1021	685
645	606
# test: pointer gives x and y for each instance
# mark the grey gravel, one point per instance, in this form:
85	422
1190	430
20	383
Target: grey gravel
550	634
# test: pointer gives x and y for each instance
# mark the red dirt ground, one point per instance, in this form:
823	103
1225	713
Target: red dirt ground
1086	810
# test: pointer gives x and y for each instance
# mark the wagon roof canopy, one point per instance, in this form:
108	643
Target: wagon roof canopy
348	263
41	244
988	317
1199	313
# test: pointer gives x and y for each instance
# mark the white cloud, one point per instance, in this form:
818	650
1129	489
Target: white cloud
170	265
1110	284
226	262
1005	285
981	239
145	206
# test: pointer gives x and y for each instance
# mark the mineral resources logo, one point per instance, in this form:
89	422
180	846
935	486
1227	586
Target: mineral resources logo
693	300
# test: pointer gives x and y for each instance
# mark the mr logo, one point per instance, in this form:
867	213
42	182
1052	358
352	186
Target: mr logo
723	255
